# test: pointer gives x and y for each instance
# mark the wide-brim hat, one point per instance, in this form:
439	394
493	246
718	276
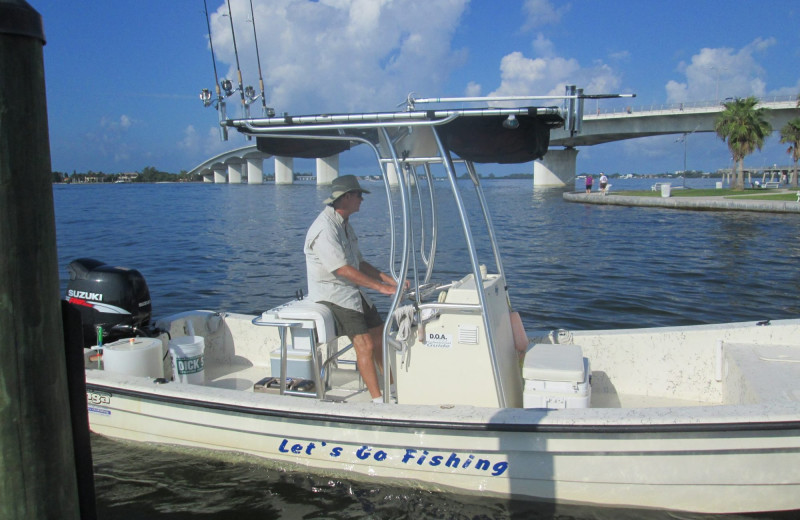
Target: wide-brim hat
342	185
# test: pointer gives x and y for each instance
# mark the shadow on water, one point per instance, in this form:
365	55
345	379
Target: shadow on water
179	483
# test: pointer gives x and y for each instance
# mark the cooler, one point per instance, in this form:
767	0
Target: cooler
298	364
556	376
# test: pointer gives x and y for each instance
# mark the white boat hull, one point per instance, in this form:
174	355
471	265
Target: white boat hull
711	458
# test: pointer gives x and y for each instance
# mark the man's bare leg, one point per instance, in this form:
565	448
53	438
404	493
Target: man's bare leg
365	351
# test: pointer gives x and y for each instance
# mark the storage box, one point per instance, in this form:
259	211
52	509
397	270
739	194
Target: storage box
298	364
556	376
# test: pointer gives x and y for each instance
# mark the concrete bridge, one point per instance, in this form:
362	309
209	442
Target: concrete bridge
246	164
557	168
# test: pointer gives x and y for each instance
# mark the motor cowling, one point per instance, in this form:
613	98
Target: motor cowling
114	298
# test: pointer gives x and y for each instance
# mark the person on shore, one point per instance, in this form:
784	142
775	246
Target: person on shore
603	183
336	273
589	182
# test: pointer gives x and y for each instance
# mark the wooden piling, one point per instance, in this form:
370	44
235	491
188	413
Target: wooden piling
37	461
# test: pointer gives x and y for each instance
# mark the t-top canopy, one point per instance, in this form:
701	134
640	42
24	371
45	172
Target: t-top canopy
512	135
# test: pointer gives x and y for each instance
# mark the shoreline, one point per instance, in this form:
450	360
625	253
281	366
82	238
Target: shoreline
687	203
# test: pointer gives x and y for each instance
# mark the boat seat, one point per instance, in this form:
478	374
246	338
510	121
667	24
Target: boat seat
310	327
307	311
546	362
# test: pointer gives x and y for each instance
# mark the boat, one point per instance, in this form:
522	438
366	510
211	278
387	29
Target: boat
702	418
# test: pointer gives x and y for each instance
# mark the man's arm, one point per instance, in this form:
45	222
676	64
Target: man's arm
369	277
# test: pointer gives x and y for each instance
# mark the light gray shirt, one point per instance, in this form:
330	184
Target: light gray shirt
331	243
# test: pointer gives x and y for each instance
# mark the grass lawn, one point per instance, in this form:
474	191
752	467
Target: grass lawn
756	194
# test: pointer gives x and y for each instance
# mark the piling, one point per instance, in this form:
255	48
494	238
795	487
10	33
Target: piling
37	460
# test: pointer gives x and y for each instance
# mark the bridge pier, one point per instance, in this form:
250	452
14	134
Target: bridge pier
327	169
284	170
391	175
556	169
219	174
255	170
235	172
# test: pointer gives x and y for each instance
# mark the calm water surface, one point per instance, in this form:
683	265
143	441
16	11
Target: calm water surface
239	248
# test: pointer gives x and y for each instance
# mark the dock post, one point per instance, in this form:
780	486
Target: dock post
38	469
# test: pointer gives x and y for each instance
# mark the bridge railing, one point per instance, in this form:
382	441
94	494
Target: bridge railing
619	108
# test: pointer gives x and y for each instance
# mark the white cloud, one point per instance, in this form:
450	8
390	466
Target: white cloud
715	74
123	123
190	141
196	144
521	75
473	89
340	54
542	12
786	91
543	47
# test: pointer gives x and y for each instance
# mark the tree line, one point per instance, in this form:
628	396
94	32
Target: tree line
148	174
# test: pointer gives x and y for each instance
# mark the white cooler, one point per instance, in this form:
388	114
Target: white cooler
556	376
298	364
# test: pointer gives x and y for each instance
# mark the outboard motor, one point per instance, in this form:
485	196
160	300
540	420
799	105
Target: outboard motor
114	298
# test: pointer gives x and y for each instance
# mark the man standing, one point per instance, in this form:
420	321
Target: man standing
336	272
603	183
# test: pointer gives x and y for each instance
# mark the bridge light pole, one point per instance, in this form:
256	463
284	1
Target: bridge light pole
683	140
718	70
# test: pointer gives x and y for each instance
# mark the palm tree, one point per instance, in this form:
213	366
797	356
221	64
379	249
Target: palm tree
744	127
790	133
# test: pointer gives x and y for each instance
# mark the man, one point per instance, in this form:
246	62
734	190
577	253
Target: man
603	183
336	273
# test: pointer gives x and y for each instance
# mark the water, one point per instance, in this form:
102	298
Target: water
239	248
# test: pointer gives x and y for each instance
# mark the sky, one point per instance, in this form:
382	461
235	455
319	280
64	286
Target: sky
123	77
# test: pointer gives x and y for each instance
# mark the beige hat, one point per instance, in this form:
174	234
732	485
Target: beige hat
342	185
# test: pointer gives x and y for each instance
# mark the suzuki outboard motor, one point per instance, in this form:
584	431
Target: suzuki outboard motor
114	298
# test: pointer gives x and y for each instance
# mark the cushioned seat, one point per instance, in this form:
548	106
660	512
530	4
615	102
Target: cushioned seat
554	363
309	311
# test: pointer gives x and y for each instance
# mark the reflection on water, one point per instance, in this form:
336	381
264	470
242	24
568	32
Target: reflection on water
239	248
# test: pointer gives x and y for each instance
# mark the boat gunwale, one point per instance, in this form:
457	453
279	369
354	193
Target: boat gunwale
489	426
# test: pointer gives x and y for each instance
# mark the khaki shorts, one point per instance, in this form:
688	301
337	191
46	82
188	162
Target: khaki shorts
352	323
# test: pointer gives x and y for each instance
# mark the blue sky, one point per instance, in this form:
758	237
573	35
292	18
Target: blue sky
123	76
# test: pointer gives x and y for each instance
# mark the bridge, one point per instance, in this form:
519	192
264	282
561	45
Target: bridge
557	168
246	165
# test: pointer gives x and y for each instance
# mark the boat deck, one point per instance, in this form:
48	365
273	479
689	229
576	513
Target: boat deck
346	385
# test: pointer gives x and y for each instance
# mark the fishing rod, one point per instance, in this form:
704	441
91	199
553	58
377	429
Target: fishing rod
245	107
207	99
258	60
205	95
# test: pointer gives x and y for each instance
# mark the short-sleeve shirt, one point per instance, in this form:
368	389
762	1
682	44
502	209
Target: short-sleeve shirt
331	243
